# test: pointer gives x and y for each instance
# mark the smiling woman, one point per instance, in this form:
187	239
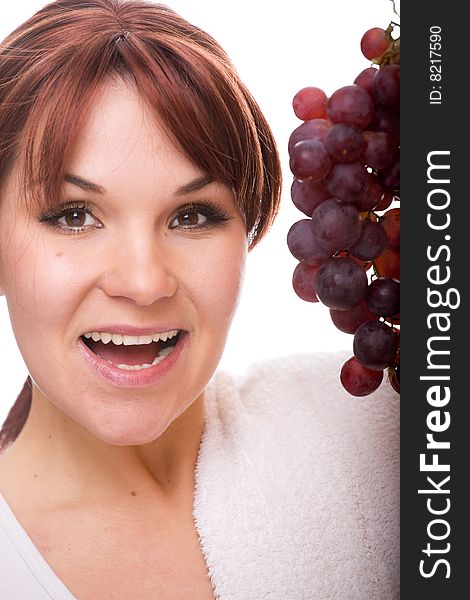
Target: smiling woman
149	229
137	172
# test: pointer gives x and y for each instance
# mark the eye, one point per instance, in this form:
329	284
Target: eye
200	216
71	219
76	218
189	219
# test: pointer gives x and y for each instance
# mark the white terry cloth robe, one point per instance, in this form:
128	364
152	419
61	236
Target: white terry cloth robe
297	484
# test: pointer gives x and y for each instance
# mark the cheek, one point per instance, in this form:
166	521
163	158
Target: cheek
40	287
215	280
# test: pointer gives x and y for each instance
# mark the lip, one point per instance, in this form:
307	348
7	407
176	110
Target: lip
129	330
132	379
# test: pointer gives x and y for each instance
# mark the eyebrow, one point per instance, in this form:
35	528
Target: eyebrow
194	186
84	184
88	186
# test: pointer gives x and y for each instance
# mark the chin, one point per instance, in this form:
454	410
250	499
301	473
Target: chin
125	432
128	438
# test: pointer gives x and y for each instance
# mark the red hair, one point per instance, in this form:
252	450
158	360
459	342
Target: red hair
51	68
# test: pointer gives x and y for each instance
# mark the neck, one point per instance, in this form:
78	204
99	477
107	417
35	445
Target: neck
66	464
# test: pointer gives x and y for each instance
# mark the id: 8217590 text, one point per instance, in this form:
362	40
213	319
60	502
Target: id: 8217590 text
435	64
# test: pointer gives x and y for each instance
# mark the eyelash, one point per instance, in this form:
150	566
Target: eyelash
213	212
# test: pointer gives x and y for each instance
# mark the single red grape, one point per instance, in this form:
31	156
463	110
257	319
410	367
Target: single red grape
383	297
387	86
371	243
380	149
336	225
303	245
347	181
340	283
352	105
388	120
388	264
359	380
371	194
374	42
375	345
391	224
365	79
307	195
310	160
316	129
303	281
344	143
310	103
348	321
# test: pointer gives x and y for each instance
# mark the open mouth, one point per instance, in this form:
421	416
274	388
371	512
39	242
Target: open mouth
132	353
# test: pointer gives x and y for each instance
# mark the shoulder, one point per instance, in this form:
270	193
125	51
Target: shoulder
295	406
325	464
307	385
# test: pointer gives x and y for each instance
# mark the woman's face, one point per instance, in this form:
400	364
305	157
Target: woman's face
144	248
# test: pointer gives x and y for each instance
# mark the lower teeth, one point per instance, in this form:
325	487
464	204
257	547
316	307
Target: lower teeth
161	355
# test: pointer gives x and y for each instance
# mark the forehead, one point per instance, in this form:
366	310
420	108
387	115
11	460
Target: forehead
120	139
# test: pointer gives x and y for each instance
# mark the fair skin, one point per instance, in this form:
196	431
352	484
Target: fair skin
103	456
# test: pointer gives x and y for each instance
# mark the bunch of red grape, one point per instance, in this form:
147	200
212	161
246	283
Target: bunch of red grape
346	165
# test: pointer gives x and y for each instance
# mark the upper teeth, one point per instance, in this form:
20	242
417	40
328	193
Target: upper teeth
131	340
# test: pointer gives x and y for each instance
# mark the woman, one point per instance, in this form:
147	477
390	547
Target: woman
136	172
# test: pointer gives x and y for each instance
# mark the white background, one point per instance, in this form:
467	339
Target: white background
278	48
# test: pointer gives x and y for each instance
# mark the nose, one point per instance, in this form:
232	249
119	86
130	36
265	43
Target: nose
139	268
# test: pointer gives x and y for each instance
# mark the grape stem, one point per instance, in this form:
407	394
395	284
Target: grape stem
388	57
395	8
